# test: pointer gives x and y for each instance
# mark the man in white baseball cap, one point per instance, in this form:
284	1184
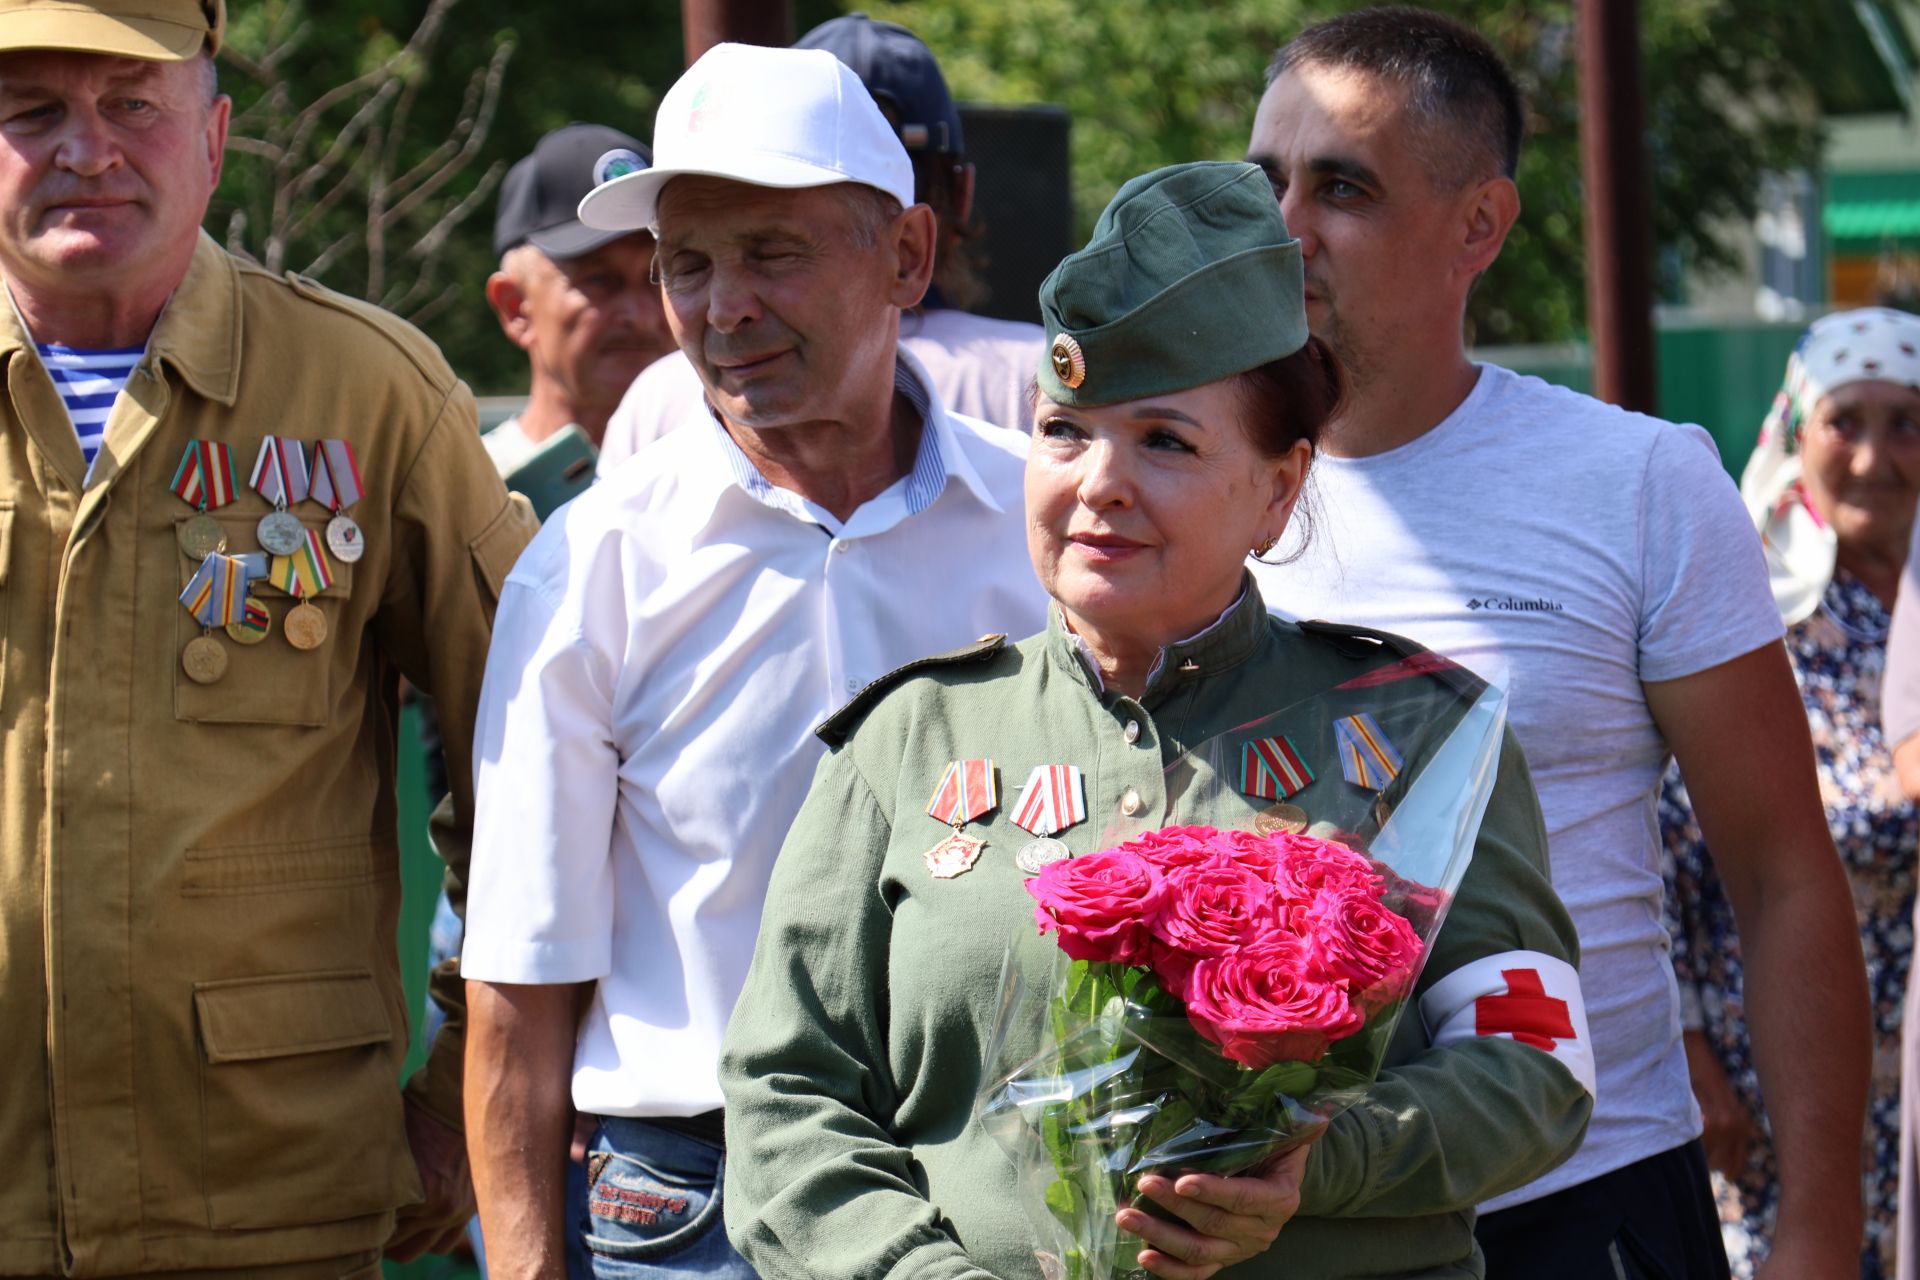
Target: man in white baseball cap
665	647
981	365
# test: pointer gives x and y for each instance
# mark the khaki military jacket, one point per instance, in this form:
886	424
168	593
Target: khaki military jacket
201	1017
855	1054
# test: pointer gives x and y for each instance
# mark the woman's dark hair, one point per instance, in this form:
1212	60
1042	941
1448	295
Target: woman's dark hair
1285	401
1291	398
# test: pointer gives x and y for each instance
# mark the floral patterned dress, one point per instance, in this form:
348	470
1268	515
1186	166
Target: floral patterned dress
1838	655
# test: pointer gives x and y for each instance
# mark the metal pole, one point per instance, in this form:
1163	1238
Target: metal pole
1619	220
709	22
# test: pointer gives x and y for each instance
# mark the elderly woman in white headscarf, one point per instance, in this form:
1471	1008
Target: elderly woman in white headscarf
1832	487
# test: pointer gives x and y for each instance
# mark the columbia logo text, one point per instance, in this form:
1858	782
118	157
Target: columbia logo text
1511	604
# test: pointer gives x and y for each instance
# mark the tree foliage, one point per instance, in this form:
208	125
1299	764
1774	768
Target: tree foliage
1148	82
1151	83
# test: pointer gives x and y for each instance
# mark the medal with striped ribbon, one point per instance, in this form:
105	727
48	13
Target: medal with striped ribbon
205	481
1274	769
215	595
336	486
1054	799
1367	759
968	789
302	574
280	476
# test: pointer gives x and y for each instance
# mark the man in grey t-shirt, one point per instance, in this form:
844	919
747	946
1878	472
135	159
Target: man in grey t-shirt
1605	560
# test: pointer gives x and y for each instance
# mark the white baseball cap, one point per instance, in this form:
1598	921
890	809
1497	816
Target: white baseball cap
768	117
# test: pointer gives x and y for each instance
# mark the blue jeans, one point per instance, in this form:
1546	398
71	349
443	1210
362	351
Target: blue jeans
653	1205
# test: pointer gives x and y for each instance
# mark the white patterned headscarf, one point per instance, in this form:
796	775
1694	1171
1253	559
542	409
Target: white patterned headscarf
1873	344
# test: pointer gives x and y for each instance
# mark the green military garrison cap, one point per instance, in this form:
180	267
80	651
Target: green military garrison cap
1190	277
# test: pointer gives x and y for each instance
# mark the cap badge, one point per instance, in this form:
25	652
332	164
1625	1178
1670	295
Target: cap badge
617	163
1069	361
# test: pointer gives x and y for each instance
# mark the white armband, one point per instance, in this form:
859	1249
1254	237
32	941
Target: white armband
1523	995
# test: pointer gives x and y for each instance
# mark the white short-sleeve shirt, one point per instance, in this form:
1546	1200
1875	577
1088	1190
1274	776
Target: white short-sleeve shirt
662	652
1585	549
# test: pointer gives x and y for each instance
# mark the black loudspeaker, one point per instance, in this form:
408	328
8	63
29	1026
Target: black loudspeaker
1023	200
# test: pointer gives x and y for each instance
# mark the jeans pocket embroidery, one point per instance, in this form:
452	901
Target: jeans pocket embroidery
636	1212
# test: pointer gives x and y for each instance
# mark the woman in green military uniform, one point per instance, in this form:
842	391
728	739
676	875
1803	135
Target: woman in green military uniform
1174	428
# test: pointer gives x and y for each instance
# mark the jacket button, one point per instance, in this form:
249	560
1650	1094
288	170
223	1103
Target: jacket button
1132	732
1130	802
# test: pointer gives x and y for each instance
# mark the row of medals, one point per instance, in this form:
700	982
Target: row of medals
1042	850
280	533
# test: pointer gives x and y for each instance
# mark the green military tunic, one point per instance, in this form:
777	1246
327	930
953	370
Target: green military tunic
855	1054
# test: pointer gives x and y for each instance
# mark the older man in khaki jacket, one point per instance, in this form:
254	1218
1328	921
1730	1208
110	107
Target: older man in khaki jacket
235	509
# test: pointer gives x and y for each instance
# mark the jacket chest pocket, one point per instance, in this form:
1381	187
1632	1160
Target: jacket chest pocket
269	681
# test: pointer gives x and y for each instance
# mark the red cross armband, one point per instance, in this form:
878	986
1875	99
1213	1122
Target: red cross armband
1521	995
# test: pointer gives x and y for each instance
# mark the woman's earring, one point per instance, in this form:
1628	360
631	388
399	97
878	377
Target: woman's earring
1260	552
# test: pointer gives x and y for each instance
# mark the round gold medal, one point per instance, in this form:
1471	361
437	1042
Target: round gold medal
305	627
205	660
1290	818
241	633
201	536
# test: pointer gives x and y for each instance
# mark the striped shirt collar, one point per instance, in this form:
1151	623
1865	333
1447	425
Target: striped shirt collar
939	458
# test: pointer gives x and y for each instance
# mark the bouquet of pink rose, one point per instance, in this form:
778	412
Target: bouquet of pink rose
1217	996
1279	945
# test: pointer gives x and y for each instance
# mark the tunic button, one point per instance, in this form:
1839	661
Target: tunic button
1130	802
1132	732
853	684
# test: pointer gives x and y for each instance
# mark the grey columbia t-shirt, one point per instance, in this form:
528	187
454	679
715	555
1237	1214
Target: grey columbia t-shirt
1584	550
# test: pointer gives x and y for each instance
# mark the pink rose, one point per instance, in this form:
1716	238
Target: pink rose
1259	854
1262	1005
1211	908
1356	941
1307	866
1171	847
1102	905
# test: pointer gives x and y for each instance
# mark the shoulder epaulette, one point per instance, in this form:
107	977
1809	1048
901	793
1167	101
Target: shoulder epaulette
834	729
1359	642
1414	658
413	344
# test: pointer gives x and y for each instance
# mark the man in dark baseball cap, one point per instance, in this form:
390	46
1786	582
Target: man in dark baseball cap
575	299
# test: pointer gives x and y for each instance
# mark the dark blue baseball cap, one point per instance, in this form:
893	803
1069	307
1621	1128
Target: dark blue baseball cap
540	197
901	74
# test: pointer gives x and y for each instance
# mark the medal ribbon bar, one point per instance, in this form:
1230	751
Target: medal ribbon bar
336	475
967	789
305	572
1054	799
205	476
280	472
1366	757
217	592
1272	769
